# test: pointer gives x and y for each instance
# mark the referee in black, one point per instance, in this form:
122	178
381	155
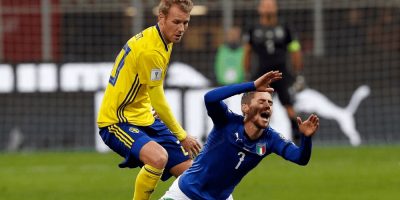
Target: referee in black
272	42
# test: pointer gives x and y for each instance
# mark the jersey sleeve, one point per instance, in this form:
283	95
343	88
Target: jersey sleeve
216	108
161	106
151	68
289	151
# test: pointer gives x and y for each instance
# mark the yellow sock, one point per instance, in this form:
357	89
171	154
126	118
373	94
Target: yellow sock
146	181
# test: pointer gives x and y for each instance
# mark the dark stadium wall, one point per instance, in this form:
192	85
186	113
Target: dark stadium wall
62	116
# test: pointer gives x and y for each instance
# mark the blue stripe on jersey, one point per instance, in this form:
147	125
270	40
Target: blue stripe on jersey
128	99
131	99
121	63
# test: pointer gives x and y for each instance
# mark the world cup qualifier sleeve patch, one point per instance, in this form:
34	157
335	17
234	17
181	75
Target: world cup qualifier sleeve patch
156	74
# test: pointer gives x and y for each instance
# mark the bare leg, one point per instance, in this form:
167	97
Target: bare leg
154	157
177	170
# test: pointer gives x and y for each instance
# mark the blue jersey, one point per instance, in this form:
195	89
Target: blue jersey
229	154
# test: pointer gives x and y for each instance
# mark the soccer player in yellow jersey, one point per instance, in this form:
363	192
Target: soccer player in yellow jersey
160	146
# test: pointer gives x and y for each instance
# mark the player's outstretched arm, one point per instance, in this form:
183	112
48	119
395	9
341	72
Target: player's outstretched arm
190	143
262	84
161	107
302	154
310	126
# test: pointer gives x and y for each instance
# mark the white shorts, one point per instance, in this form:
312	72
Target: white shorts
175	193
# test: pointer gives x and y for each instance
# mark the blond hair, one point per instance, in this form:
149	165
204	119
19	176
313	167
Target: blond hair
184	5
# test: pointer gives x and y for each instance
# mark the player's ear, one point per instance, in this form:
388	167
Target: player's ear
245	109
161	16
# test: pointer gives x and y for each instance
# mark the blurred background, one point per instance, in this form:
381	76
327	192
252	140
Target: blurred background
55	55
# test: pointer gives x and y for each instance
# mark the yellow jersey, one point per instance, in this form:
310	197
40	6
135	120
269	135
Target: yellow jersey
140	65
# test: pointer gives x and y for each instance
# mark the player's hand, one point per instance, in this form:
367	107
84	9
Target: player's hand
310	126
191	145
263	83
155	114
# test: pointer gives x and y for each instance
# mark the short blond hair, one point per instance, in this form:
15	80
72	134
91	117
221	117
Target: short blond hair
184	5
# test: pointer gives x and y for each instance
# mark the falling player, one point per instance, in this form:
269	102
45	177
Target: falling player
238	143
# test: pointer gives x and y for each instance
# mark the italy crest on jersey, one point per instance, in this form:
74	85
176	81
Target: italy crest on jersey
261	148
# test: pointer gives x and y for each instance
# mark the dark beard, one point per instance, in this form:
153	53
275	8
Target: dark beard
253	112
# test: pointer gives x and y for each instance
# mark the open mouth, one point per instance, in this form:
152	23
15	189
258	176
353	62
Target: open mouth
265	115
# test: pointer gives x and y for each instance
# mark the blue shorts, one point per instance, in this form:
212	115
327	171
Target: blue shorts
127	140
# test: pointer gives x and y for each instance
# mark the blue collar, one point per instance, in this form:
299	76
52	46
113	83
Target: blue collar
162	39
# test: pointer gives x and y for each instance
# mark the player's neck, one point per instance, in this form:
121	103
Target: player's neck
252	131
162	33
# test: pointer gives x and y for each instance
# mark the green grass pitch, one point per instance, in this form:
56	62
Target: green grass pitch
368	173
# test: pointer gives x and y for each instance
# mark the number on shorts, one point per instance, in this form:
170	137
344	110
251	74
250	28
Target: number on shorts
184	151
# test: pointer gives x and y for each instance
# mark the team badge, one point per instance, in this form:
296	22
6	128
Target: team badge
133	130
261	148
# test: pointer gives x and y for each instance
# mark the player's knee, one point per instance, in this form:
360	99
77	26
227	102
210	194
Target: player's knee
160	160
154	154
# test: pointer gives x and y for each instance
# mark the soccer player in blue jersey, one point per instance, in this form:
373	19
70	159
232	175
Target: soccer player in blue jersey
238	143
127	125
